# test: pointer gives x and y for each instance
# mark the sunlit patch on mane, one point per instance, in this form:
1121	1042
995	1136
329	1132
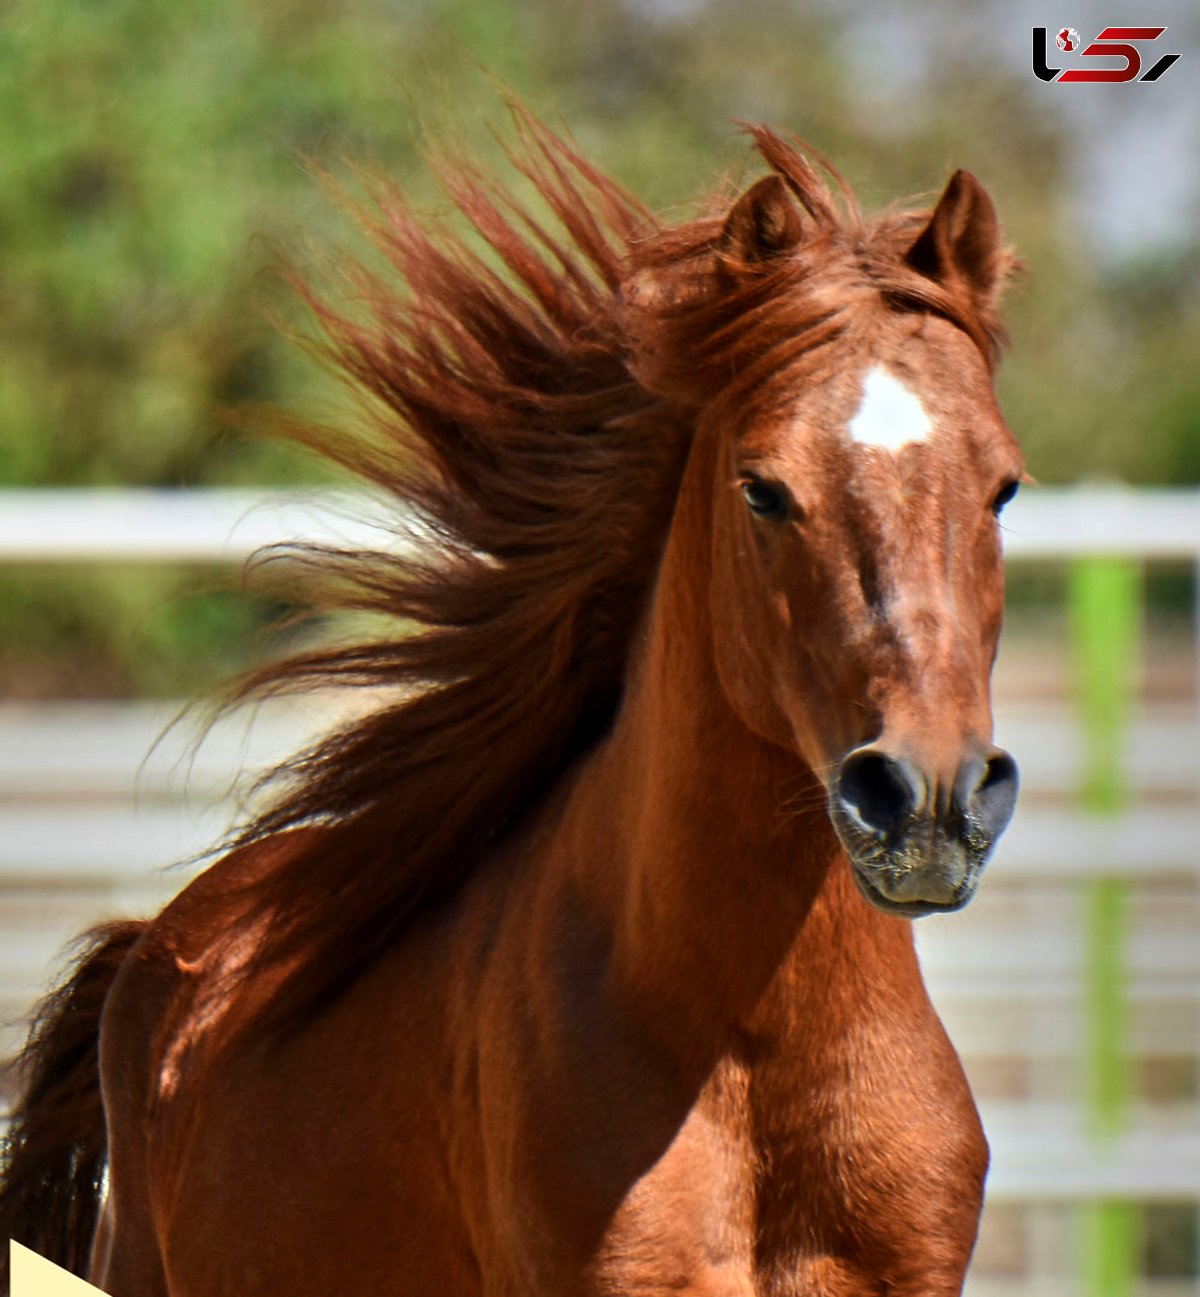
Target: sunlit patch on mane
891	415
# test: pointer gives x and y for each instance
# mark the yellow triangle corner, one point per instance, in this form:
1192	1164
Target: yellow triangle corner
34	1276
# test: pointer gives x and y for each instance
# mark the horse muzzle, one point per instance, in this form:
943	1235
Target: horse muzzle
918	845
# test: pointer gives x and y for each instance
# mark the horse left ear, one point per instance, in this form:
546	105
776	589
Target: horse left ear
961	245
762	223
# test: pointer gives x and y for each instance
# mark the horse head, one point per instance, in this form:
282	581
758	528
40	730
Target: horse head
857	463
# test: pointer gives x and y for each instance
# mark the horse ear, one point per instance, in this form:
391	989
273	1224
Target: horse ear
762	223
962	245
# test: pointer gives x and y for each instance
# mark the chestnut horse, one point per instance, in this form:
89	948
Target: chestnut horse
584	963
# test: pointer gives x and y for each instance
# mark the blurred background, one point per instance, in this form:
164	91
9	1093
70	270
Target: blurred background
154	160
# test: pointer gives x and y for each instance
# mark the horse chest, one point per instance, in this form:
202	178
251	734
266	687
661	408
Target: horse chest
719	1216
818	1197
843	1165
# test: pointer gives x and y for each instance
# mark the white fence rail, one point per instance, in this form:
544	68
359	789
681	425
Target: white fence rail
202	526
87	820
222	525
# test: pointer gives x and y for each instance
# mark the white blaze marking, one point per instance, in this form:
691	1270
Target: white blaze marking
890	415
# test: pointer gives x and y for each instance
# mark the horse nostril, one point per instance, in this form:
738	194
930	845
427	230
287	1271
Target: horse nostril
876	790
990	805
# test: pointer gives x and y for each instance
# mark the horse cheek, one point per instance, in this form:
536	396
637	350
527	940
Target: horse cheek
746	650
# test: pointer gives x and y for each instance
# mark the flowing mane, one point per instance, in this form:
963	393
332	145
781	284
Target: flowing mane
535	422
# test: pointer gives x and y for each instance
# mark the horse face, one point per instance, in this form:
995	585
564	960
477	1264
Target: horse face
858	596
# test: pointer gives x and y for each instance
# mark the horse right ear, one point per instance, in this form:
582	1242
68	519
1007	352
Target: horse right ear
962	245
762	223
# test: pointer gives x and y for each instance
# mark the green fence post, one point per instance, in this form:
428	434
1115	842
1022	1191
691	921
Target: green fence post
1105	607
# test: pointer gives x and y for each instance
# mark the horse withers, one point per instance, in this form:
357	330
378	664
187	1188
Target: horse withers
583	964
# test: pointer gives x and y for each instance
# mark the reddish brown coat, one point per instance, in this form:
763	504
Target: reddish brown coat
556	977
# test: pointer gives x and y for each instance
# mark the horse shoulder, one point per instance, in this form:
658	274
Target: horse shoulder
371	1099
150	1011
183	954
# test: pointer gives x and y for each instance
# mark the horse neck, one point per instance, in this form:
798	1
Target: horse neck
709	851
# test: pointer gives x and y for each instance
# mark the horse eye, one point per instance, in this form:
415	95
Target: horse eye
765	500
1004	495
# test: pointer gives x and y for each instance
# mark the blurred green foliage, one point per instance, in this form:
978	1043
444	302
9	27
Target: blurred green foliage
153	160
128	631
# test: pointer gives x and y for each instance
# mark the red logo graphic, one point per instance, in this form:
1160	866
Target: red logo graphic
1112	43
